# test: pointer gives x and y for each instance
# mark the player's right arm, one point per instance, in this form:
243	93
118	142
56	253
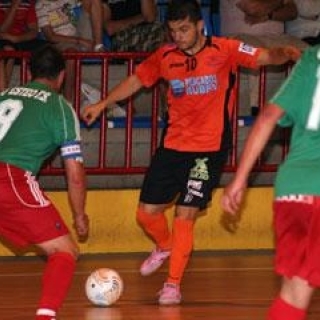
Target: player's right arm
123	90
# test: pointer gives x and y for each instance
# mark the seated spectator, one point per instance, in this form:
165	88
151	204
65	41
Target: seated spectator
59	25
18	31
307	25
132	25
259	23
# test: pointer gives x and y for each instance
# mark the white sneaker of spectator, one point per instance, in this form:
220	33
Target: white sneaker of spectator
116	112
93	95
99	48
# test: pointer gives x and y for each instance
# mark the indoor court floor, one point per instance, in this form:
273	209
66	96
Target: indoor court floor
217	286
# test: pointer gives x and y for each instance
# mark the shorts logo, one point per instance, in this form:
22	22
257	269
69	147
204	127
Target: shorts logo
188	198
195	193
200	170
194	188
194	184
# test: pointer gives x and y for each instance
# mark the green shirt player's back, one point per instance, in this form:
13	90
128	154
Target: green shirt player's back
34	122
299	96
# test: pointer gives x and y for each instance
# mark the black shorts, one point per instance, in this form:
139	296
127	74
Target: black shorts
188	176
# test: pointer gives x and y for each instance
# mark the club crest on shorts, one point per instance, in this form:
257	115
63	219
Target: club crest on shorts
200	170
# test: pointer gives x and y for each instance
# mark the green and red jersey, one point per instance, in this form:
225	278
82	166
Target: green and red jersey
299	97
34	122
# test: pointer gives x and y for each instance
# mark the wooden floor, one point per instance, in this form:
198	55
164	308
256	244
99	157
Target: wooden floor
221	286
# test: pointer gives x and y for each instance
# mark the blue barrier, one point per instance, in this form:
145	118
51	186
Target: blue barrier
120	122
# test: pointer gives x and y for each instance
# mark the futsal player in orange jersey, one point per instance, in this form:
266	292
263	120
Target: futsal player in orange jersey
186	167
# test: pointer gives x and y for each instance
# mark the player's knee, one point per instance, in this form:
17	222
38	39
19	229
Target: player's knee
72	251
66	246
140	216
144	217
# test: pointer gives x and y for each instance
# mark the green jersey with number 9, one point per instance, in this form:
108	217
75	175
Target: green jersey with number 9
34	122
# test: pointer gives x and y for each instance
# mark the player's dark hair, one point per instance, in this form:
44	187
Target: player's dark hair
182	9
46	62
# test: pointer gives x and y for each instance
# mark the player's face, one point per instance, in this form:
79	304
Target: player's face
185	33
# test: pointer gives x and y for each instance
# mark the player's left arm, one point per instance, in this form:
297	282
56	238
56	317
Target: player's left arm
76	180
278	55
68	137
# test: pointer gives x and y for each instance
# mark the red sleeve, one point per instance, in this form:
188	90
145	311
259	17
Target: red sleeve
149	71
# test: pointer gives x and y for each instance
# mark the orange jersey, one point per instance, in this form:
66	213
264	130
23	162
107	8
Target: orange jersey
200	89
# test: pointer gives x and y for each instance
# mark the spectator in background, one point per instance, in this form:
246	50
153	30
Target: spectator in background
132	25
68	33
259	23
59	24
18	31
307	25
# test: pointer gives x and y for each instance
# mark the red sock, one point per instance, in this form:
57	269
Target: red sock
156	226
56	281
281	309
182	243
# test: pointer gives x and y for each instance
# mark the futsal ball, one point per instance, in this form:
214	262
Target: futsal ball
104	287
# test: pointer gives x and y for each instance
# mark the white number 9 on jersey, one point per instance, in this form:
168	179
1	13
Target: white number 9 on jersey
9	111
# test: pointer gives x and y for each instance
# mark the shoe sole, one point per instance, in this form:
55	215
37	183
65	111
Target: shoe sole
143	273
168	303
